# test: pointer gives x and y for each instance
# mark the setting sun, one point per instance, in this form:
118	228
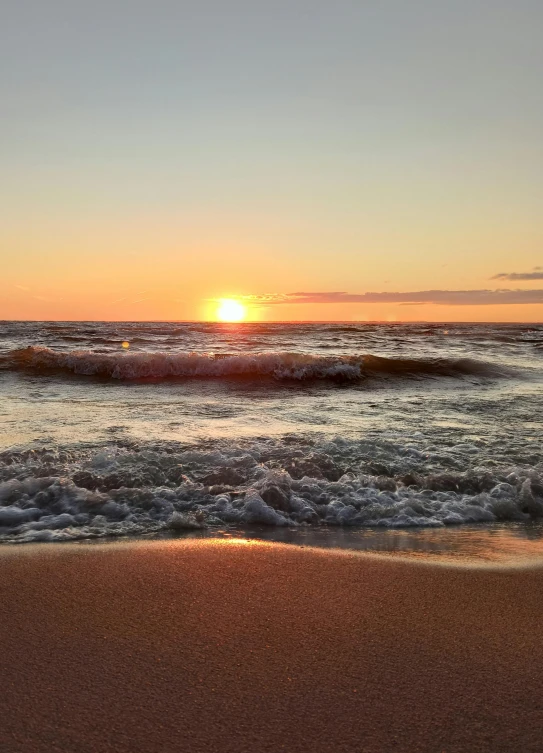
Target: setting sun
230	310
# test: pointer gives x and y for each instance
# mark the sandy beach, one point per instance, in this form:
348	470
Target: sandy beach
234	646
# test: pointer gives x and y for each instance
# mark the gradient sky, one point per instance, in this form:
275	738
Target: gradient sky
156	155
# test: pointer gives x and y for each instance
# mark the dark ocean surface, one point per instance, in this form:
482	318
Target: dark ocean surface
323	430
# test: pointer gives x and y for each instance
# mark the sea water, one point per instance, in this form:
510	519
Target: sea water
313	432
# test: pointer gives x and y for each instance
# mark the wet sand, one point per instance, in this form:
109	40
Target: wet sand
225	646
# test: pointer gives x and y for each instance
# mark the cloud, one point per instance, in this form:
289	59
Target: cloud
439	297
535	274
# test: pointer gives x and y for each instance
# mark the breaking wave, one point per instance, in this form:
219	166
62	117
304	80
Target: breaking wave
53	494
278	366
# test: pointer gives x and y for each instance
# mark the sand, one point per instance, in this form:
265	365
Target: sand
226	646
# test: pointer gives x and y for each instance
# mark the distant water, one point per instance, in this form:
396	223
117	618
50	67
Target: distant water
307	427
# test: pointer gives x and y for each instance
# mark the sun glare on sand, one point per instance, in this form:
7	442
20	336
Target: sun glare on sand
230	310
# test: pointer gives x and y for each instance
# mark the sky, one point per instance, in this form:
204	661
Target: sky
320	161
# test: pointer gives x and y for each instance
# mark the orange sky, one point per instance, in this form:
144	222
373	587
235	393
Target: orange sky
162	268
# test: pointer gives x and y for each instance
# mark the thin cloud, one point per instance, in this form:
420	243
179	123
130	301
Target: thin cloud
535	274
422	297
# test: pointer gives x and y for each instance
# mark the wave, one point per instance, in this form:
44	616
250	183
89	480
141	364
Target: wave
278	366
53	494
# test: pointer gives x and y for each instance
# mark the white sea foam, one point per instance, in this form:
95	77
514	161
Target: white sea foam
115	491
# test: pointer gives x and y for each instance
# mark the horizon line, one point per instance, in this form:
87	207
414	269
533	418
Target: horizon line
269	321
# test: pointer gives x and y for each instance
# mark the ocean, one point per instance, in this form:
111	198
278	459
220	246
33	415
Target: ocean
333	432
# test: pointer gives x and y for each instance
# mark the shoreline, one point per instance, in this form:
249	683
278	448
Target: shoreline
487	545
235	645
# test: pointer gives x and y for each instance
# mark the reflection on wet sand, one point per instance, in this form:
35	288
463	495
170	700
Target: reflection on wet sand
503	544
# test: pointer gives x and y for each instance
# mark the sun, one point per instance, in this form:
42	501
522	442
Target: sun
230	310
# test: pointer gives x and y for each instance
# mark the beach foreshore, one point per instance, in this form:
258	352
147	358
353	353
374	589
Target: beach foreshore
207	645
